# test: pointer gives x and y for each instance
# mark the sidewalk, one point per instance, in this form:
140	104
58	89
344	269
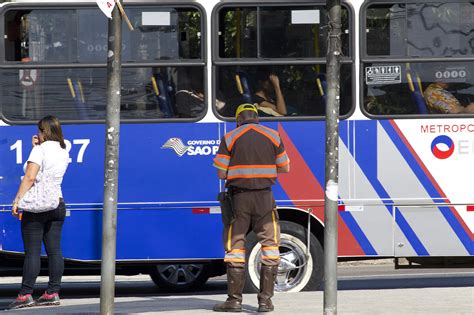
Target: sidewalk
393	301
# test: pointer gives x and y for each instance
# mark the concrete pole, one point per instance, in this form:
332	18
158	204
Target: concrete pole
109	224
332	157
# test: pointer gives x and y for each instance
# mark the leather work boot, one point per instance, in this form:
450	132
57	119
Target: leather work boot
267	284
235	286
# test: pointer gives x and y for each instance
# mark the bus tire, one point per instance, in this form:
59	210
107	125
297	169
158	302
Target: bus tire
180	277
292	252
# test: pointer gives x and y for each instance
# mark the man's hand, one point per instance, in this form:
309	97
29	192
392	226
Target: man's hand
222	174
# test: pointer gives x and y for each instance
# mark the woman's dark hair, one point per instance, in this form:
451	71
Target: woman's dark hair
263	74
51	130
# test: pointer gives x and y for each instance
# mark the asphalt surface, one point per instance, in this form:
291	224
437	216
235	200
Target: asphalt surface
363	289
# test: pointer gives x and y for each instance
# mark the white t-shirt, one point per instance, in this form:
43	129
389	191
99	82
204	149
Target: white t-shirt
51	158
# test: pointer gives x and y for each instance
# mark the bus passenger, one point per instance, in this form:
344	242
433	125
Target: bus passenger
190	98
269	87
249	158
440	101
48	161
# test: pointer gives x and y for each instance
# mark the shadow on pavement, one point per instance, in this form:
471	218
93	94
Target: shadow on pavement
144	305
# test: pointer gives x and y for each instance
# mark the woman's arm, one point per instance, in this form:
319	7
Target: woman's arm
280	100
28	180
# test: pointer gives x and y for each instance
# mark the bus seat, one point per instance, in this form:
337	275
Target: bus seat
416	90
243	86
77	93
322	86
162	94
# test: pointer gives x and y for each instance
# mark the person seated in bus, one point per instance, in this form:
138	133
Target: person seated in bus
269	97
440	101
190	99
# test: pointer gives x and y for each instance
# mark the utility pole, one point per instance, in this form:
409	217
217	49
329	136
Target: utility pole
332	157
109	224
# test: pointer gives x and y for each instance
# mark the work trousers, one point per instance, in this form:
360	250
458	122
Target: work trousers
43	227
256	210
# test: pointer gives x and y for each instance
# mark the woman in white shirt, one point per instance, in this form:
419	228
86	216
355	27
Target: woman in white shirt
48	156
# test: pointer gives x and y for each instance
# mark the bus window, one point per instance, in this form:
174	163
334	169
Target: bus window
418	86
420	29
77	40
303	87
238	29
270	52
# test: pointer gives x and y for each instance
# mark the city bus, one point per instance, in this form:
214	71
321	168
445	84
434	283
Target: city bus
405	161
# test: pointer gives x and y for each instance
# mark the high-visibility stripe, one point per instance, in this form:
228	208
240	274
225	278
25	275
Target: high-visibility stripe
270	247
270	137
252	176
219	167
221	162
249	166
252	171
232	136
229	235
270	253
270	257
283	164
237	251
235	255
275	228
223	156
282	159
237	260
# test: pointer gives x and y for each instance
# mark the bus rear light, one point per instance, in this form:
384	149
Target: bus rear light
470	208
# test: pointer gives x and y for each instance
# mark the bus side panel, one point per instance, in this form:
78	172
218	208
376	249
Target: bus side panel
164	168
169	234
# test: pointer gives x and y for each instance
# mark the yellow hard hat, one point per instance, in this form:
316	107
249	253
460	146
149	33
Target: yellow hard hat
243	107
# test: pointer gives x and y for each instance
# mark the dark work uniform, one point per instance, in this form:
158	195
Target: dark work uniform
250	155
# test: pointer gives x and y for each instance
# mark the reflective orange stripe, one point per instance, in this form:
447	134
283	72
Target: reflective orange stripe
252	176
271	257
237	251
217	163
270	248
237	136
266	135
223	156
250	166
284	163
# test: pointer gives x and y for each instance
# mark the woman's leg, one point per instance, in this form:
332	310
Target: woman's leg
52	244
32	233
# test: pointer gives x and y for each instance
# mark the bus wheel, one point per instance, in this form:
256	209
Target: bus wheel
179	277
296	271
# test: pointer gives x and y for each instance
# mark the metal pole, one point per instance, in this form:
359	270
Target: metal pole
109	224
332	157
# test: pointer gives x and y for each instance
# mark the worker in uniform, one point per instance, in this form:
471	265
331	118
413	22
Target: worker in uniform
249	158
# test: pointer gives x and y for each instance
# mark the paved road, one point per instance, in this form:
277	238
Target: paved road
366	289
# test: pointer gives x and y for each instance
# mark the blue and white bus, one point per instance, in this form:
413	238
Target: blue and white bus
404	169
